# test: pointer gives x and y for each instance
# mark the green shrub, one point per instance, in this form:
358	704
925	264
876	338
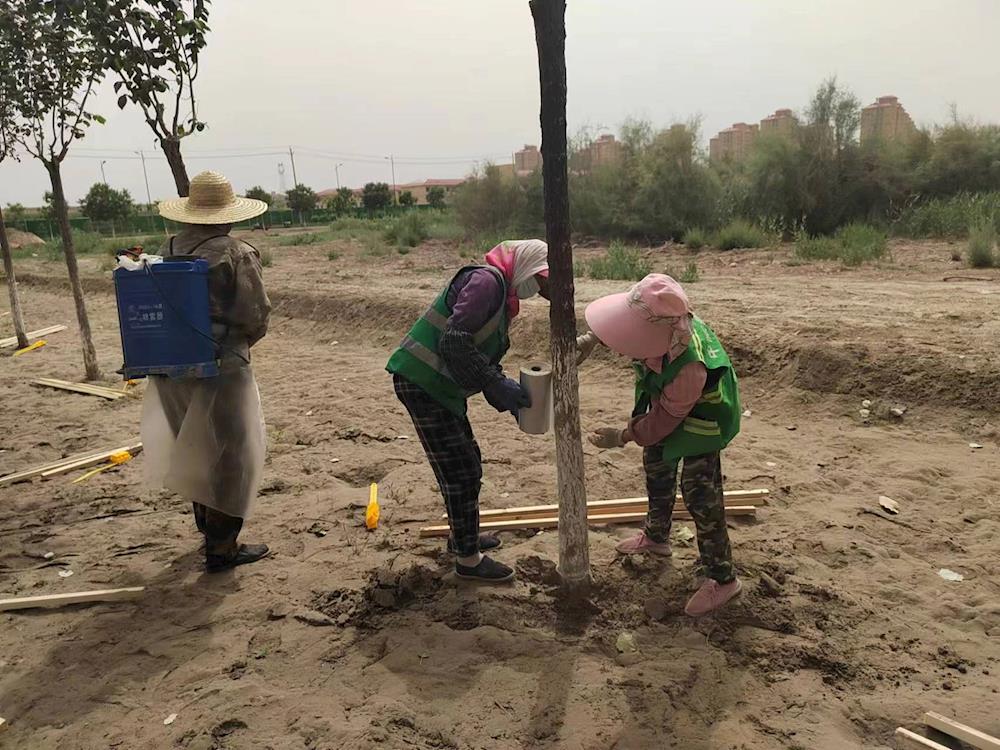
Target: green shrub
946	218
695	238
741	234
860	243
443	225
85	243
621	262
981	252
374	247
853	245
408	230
266	257
690	274
333	255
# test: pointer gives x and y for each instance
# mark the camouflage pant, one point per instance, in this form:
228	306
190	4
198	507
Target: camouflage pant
701	488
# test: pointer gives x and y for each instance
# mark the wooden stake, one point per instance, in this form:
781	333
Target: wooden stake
597	519
80	597
907	740
12	341
966	734
86	463
550	38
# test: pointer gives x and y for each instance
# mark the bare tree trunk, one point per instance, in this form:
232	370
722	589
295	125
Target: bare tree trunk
15	301
61	211
172	150
550	36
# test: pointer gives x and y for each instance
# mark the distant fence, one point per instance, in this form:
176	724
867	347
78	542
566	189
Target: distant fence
48	229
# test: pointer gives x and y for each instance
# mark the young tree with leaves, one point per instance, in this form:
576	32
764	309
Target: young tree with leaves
152	46
52	65
301	199
376	196
258	193
342	202
406	199
8	123
104	203
435	197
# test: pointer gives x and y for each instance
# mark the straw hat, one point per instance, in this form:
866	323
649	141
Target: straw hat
211	201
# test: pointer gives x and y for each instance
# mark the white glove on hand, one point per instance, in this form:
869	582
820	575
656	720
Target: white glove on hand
607	437
585	346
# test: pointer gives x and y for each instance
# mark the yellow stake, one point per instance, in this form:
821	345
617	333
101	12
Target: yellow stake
115	459
36	345
372	511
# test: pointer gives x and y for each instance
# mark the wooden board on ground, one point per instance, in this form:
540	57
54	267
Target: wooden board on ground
966	734
79	597
907	740
86	463
91	390
12	341
625	505
597	519
76	461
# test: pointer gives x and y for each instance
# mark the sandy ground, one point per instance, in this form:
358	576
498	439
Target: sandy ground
350	639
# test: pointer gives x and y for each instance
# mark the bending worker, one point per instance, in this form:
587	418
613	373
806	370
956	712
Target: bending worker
687	407
451	353
204	437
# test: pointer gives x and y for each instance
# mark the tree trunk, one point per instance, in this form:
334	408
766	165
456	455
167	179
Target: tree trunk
15	301
550	36
61	211
172	150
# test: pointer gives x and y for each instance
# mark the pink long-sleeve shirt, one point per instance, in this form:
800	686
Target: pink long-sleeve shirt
676	401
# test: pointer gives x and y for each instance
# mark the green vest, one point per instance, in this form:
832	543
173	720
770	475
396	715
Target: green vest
418	360
715	419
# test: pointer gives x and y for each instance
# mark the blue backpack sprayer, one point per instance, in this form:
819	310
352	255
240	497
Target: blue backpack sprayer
163	315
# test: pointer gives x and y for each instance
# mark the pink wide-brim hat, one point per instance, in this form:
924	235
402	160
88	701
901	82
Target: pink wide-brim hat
644	322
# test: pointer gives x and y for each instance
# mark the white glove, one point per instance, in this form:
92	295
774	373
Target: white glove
585	346
607	437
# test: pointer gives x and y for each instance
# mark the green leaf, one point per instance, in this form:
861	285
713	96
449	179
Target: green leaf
122	101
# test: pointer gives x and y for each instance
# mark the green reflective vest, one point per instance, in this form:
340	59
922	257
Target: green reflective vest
418	360
715	419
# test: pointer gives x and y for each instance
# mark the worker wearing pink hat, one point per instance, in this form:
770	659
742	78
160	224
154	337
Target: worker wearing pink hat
687	407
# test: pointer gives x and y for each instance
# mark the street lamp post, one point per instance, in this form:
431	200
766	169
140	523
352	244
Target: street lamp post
103	178
395	195
336	168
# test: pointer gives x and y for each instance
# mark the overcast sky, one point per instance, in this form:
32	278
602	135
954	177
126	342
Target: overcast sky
443	83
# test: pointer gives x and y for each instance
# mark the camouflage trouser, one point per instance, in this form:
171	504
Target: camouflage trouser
701	488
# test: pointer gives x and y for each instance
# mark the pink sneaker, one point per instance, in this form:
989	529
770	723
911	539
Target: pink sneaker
711	596
640	543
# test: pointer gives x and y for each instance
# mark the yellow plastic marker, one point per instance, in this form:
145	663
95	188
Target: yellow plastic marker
372	512
36	345
115	459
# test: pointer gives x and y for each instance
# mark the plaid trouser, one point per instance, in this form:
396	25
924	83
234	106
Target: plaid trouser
701	488
454	456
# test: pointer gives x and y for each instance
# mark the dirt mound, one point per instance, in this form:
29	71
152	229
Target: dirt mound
19	239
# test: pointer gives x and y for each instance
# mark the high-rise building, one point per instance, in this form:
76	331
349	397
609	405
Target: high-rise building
733	144
886	120
783	122
528	159
604	151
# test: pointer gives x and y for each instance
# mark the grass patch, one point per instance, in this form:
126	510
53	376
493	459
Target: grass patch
695	238
741	234
853	245
306	238
981	251
409	230
333	255
443	225
946	218
373	247
266	258
690	274
621	262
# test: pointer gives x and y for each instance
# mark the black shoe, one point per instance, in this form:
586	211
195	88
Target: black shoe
488	571
487	543
246	554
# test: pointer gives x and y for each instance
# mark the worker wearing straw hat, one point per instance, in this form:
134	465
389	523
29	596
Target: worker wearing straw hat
687	406
204	437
